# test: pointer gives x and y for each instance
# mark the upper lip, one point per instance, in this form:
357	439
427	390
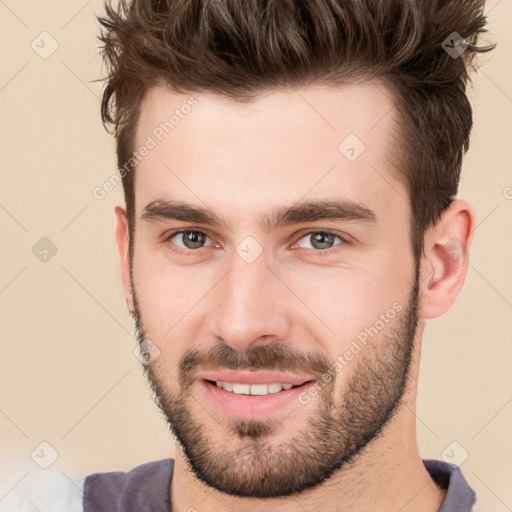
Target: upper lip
254	377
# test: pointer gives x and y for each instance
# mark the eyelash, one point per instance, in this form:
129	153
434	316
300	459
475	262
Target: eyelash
318	252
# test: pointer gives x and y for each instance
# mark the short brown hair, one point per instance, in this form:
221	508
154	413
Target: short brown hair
240	48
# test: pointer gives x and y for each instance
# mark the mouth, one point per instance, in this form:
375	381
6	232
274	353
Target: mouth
255	400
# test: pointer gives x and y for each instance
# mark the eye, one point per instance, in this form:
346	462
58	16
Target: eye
322	241
191	239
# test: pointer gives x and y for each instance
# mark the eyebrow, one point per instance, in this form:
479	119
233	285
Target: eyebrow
301	212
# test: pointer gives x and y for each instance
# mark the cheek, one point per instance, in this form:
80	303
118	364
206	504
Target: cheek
343	303
362	284
164	295
174	302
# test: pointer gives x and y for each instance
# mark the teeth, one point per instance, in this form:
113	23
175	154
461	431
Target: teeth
241	389
228	386
275	388
252	389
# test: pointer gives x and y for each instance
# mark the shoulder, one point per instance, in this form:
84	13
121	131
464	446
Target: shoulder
459	495
146	484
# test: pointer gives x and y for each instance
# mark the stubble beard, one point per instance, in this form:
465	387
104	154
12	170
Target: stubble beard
339	424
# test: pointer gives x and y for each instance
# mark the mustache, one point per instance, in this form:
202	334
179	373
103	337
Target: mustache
274	356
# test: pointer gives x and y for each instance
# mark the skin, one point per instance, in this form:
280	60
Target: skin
240	161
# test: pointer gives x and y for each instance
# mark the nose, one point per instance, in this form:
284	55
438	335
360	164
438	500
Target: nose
251	305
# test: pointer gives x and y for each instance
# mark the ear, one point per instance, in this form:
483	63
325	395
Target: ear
445	259
123	243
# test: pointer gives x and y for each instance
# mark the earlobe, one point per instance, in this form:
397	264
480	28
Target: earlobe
122	236
445	259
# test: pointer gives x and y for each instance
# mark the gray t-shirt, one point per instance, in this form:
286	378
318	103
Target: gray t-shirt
146	488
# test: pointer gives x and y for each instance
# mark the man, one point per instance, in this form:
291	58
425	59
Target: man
290	171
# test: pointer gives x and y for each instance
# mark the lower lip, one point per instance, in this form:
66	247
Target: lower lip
252	406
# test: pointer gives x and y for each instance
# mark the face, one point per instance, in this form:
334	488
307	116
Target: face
270	248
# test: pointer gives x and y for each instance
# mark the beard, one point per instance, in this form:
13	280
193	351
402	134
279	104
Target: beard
339	424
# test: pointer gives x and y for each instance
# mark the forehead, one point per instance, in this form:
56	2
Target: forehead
286	144
315	113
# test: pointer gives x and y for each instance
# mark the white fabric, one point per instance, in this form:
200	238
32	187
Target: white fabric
41	490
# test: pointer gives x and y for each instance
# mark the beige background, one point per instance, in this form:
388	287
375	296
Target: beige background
68	374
